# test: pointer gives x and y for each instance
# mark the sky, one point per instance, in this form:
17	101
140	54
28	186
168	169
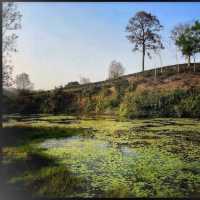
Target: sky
60	42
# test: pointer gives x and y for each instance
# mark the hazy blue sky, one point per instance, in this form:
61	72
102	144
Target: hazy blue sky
59	42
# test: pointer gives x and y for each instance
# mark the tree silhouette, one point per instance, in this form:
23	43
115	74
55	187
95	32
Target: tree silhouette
115	69
144	28
11	21
23	82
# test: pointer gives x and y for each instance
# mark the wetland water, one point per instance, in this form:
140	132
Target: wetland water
82	142
100	162
117	170
103	157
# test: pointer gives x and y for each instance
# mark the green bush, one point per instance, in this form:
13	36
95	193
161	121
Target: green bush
120	87
189	107
90	105
142	104
177	103
168	101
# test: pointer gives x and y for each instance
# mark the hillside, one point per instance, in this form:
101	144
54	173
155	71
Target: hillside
161	92
165	78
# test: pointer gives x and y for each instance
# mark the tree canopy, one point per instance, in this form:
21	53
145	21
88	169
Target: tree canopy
144	28
115	70
11	21
23	82
187	38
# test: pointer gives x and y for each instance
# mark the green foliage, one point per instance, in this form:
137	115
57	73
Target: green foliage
9	104
147	172
106	91
185	43
189	40
33	102
168	102
124	101
139	105
54	182
99	104
90	90
196	30
28	102
90	105
120	87
111	102
189	107
117	189
177	103
132	87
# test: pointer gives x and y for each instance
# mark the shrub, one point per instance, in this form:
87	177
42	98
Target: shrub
189	107
90	105
142	104
120	87
177	103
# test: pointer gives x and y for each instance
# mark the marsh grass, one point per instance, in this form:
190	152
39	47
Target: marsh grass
168	164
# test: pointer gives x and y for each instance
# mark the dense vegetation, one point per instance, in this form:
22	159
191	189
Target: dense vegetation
122	98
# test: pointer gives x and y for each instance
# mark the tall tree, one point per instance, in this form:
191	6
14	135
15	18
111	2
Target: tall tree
11	21
23	82
185	43
175	34
144	28
196	36
115	70
187	38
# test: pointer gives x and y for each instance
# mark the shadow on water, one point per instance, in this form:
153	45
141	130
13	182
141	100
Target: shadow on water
20	139
19	135
37	118
34	161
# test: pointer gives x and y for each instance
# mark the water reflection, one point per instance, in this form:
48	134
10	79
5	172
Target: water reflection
80	142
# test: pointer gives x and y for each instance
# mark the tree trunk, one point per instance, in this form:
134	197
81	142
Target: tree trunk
143	55
188	61
1	92
1	71
177	60
194	65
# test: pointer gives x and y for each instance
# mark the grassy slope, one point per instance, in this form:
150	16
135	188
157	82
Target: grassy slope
169	78
101	102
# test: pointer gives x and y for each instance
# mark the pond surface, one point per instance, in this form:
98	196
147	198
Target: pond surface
120	171
139	158
82	142
98	161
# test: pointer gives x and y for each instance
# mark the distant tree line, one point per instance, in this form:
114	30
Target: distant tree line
35	102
